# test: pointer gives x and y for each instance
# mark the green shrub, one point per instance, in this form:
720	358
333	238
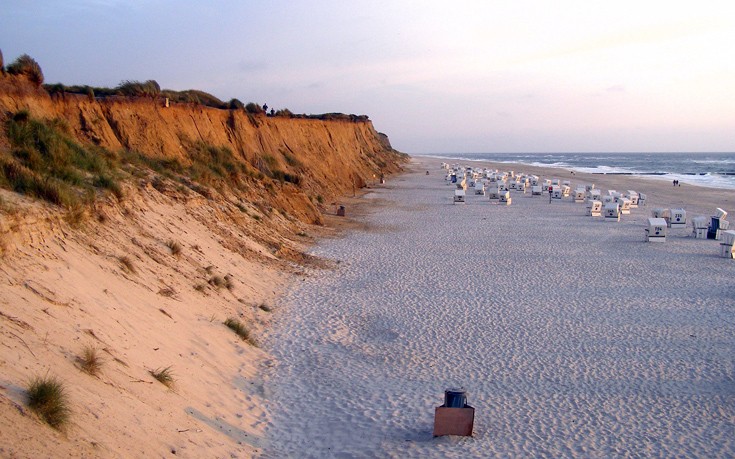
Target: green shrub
235	104
47	398
46	163
133	88
27	66
254	108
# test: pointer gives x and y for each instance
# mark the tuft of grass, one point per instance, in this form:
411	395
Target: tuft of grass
75	216
217	281
200	287
47	398
127	264
164	376
240	330
174	246
264	307
90	362
228	282
167	292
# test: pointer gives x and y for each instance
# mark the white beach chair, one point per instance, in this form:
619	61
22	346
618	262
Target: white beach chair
633	196
594	208
536	190
459	196
659	212
505	198
677	218
493	194
611	212
579	195
727	246
624	206
656	231
699	227
480	188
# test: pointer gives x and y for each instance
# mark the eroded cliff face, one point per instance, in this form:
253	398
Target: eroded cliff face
149	275
330	157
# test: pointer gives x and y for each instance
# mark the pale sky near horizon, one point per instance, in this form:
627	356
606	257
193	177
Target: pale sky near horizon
435	76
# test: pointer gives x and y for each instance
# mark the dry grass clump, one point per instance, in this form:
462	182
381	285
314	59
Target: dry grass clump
167	292
164	376
174	246
219	282
47	398
127	264
264	307
240	330
90	362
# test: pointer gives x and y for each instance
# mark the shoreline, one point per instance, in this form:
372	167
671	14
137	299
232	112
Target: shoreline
661	176
572	336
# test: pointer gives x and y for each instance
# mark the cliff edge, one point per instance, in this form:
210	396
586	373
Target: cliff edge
165	262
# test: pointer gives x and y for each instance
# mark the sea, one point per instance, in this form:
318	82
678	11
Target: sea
714	170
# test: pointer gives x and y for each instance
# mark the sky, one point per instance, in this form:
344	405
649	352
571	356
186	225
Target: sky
435	76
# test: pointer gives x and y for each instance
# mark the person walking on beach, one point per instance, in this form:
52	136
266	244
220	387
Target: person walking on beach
551	188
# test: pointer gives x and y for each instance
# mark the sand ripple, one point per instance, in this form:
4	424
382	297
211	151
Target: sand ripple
572	336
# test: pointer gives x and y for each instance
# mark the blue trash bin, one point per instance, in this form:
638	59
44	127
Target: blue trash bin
455	398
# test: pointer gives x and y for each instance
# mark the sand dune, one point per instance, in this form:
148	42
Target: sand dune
573	336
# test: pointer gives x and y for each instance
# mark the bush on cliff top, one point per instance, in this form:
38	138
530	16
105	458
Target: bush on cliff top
27	66
149	88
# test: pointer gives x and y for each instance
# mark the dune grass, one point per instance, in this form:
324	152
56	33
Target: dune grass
47	398
163	375
240	330
174	247
90	362
127	264
44	162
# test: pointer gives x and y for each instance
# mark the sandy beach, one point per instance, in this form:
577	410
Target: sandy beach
572	336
